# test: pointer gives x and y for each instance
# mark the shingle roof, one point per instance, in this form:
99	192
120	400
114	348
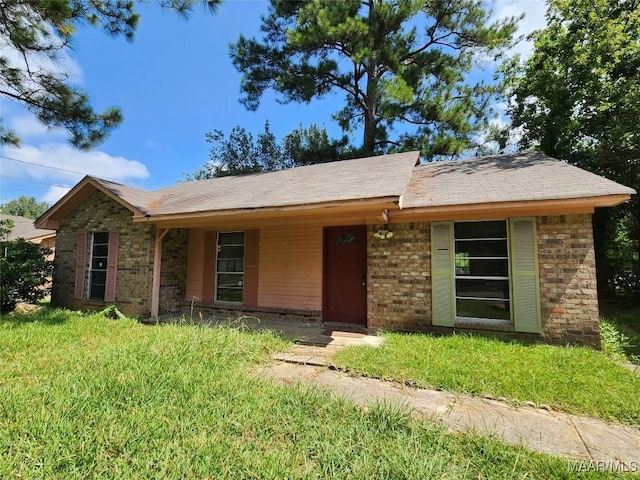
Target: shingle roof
143	200
24	228
362	178
499	178
503	178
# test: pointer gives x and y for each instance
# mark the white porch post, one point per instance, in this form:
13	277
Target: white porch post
157	263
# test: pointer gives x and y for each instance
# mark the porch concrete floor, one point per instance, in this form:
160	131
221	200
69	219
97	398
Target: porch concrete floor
314	341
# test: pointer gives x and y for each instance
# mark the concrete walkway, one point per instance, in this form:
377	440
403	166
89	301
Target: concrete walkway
544	431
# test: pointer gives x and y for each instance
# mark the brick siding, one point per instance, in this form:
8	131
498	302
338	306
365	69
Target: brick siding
399	293
568	293
99	213
219	311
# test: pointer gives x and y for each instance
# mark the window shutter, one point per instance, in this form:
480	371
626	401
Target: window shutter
250	293
112	267
442	280
524	271
81	265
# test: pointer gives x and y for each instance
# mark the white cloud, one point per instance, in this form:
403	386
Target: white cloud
29	127
534	19
54	194
61	63
68	164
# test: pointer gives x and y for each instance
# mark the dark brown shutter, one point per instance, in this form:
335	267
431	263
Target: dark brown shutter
81	265
250	294
112	267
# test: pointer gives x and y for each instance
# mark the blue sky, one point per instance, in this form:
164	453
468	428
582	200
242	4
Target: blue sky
174	83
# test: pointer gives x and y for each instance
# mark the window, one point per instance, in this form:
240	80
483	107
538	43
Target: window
230	267
481	254
486	271
98	265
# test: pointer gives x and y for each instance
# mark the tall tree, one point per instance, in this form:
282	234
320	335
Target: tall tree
34	33
402	64
577	98
240	154
24	206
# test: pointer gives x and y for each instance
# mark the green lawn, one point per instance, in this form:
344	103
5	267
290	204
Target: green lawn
88	397
576	380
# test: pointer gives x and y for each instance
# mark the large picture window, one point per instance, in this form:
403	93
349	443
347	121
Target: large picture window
98	265
482	288
230	267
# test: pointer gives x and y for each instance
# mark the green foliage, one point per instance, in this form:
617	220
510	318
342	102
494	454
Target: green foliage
35	33
24	206
24	272
6	227
87	397
240	154
399	64
577	98
620	331
576	380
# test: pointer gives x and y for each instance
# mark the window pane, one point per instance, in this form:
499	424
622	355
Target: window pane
233	238
100	250
229	295
230	252
481	268
96	291
495	229
101	237
99	263
230	280
231	265
482	288
98	277
492	309
482	248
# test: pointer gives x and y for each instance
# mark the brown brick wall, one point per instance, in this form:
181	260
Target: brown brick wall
216	312
568	293
99	213
398	272
173	276
399	293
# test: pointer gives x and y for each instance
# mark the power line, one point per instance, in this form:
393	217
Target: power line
33	181
142	182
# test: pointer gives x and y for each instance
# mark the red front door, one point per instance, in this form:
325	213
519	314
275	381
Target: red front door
345	274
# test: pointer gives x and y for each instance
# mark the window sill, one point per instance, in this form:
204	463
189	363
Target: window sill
484	324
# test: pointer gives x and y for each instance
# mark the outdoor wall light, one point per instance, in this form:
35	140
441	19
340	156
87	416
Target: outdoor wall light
383	234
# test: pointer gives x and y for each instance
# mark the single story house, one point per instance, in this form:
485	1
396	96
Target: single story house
500	244
24	228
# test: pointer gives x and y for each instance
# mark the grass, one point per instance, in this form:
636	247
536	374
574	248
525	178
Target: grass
89	397
620	328
571	379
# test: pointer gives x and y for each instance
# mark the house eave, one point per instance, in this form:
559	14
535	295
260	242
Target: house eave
80	192
507	209
327	208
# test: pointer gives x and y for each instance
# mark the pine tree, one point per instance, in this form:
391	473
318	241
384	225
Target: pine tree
402	65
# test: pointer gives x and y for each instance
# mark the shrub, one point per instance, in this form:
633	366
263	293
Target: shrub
24	271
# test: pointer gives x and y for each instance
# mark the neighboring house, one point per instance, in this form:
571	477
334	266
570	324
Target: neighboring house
24	228
500	244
